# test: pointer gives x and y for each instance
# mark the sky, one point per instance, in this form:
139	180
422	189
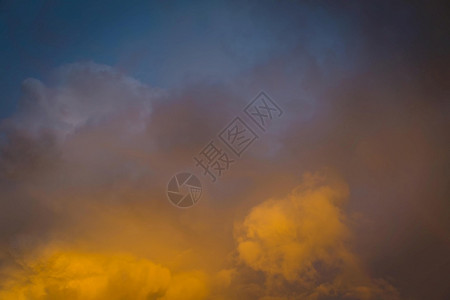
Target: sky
342	194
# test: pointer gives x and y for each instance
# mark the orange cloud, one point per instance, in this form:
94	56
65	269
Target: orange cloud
300	243
79	275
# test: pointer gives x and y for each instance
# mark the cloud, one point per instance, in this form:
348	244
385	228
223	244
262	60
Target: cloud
302	245
68	274
83	94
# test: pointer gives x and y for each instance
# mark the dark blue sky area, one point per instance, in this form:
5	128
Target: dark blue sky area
172	43
163	44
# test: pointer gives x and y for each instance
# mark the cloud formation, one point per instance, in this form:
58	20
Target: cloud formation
76	275
301	244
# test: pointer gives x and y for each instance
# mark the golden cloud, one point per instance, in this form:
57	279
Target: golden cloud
81	275
300	243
